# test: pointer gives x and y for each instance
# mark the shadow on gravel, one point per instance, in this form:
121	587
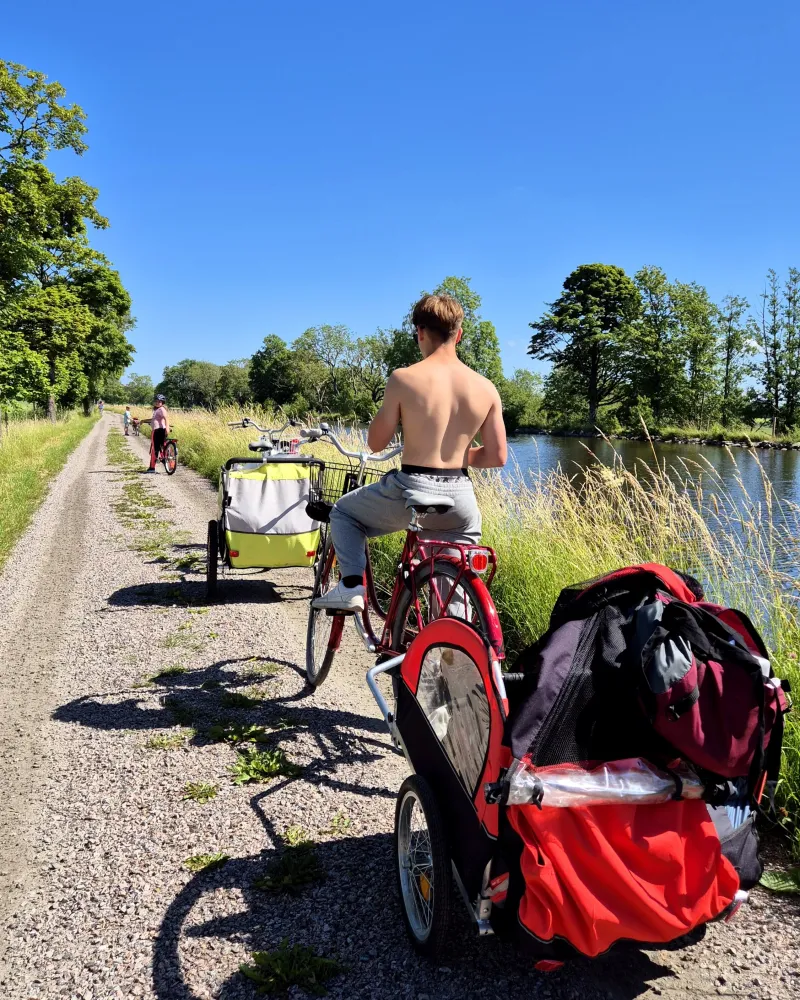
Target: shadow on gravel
354	916
326	738
233	590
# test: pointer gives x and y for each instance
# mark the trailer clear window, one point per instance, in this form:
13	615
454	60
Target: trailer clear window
453	697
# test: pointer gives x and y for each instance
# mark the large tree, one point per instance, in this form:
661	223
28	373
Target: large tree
190	383
49	273
479	347
273	374
234	382
139	389
734	346
586	334
659	362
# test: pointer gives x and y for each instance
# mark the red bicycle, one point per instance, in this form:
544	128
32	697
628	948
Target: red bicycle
168	454
434	579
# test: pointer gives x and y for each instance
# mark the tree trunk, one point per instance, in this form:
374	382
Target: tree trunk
51	399
86	407
593	389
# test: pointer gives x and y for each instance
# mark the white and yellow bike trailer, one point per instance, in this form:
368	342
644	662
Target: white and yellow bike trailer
262	521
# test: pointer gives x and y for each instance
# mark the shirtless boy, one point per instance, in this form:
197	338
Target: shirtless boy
442	405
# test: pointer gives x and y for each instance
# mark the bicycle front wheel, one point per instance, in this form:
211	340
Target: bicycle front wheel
324	631
436	597
170	457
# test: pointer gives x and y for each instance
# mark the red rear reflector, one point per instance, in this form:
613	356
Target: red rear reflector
548	965
234	553
311	554
479	562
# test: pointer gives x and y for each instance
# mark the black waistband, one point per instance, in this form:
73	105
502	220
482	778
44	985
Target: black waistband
425	470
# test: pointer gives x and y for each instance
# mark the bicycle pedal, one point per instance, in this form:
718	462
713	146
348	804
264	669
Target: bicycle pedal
333	613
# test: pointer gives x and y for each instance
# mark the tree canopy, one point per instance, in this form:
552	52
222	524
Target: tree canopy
64	312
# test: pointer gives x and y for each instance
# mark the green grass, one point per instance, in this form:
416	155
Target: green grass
32	453
199	791
169	741
340	825
175	670
275	972
296	867
261	766
236	733
206	862
234	699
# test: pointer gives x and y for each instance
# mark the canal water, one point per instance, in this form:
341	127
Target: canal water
761	488
540	454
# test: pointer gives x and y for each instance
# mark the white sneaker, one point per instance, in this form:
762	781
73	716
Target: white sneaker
341	598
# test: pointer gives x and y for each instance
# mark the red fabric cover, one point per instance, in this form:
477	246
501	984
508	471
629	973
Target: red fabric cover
672	582
598	875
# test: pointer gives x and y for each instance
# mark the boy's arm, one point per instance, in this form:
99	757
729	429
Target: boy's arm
384	423
494	451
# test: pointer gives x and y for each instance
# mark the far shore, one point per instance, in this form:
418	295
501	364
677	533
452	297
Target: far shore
737	440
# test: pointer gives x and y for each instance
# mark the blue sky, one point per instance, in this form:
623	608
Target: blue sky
270	166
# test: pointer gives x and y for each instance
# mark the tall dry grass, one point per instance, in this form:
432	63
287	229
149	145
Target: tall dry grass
564	526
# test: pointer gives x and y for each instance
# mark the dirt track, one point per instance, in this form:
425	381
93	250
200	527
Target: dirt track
95	901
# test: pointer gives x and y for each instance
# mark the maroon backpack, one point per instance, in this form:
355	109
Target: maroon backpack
634	665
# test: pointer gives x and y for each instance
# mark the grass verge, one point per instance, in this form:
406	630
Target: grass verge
276	972
32	453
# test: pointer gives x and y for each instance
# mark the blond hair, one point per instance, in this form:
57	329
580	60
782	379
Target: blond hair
440	315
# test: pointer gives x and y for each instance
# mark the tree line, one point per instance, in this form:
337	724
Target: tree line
629	349
329	370
64	312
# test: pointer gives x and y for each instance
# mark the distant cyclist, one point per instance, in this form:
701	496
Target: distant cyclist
126	420
442	405
158	423
100	406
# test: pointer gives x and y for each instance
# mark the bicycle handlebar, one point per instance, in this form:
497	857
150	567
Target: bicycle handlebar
272	431
316	433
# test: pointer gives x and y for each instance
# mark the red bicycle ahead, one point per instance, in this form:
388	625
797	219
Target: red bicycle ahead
434	579
168	454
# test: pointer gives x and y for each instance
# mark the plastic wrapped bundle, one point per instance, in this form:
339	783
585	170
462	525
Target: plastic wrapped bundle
570	786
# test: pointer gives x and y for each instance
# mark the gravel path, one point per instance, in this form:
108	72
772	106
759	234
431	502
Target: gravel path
95	899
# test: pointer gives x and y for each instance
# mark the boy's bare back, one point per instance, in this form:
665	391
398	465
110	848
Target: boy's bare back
442	405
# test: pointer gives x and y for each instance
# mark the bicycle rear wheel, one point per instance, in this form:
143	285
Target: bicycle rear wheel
468	602
324	631
170	457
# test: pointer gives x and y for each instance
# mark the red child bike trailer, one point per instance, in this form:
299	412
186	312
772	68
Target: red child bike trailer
603	792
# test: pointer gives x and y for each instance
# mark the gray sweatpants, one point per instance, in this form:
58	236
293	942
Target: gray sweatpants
380	509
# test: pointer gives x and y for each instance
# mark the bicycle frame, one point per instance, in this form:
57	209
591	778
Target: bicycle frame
416	553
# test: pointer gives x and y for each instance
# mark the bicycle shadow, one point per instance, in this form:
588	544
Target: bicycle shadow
351	916
233	590
325	738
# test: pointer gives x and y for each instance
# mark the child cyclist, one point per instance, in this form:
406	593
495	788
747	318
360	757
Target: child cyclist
158	424
442	405
126	420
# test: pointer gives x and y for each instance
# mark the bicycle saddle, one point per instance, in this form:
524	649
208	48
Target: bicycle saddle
428	503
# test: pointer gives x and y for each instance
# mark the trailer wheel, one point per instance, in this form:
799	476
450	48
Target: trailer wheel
424	873
212	560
